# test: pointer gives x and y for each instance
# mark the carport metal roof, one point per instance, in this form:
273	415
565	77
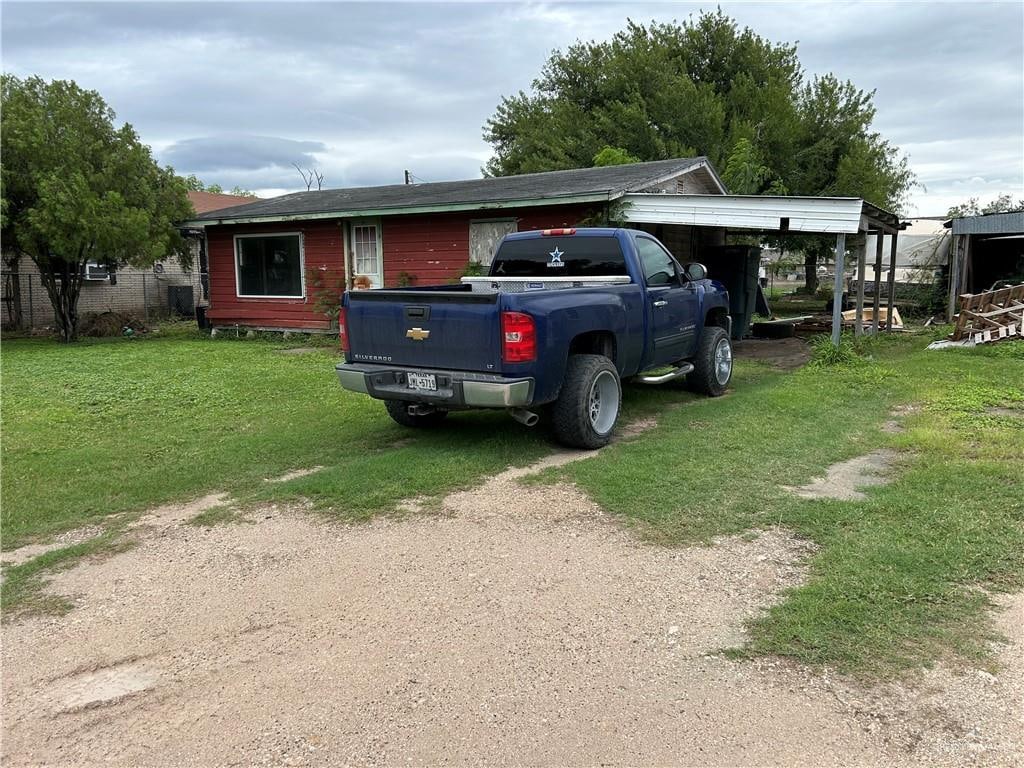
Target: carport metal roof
839	216
762	213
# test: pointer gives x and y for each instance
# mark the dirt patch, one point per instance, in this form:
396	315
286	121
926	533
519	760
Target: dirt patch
170	515
1014	413
845	479
294	475
894	425
66	539
521	626
784	354
954	717
635	428
100	686
160	517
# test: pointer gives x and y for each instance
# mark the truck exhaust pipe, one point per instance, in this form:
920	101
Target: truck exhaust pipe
523	416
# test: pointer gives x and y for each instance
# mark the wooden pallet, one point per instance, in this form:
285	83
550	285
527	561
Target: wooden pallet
990	316
868	316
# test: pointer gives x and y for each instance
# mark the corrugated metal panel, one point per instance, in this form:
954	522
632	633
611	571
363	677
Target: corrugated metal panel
805	214
990	224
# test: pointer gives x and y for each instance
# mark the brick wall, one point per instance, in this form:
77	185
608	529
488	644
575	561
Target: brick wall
139	291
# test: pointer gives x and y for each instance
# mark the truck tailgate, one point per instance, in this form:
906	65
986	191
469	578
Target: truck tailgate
453	330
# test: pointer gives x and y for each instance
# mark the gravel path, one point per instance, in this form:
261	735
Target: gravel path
517	625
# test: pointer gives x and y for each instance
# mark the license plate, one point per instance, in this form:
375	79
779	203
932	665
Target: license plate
427	381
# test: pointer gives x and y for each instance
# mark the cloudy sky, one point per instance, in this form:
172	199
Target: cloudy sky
237	92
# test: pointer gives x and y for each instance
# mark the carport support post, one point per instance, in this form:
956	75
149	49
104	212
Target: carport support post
837	291
877	303
862	247
954	275
892	281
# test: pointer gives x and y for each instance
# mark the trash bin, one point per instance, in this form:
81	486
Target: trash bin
180	300
201	320
736	267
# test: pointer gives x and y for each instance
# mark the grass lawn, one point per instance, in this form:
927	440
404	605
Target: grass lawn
892	585
111	427
94	429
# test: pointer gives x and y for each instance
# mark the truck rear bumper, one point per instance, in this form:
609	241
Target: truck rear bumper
455	389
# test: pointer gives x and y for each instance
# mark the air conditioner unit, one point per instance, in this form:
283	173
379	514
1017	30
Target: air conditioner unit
95	271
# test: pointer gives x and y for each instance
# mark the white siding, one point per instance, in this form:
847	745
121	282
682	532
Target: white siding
805	214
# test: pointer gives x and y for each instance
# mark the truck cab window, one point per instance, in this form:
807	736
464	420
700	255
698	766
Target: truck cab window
659	266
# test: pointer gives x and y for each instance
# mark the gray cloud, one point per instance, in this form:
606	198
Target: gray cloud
241	152
233	91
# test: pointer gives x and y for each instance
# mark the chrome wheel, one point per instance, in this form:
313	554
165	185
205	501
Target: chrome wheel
723	361
603	403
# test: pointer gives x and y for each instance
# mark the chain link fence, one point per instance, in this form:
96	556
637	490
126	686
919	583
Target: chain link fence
146	295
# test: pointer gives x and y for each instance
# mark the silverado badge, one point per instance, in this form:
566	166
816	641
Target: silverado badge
417	334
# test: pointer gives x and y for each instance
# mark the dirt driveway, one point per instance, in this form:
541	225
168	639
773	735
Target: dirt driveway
516	625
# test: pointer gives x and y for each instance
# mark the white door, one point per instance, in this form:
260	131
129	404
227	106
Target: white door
367	256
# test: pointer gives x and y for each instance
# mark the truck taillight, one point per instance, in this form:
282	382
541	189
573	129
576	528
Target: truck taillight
518	338
558	232
343	329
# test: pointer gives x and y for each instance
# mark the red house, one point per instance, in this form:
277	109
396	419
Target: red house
270	260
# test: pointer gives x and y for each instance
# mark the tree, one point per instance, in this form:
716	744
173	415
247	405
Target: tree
309	176
614	156
701	87
77	189
744	174
195	184
1002	204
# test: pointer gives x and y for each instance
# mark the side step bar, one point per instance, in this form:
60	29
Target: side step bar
682	370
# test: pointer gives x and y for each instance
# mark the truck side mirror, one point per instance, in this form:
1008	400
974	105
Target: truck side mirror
696	271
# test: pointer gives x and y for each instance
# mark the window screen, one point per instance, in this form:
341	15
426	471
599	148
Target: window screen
269	265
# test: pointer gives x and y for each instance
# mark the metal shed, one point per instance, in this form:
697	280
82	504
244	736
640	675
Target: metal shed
985	249
845	217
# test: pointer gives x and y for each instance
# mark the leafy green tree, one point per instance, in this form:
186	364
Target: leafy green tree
744	174
78	189
614	156
1002	204
194	184
702	87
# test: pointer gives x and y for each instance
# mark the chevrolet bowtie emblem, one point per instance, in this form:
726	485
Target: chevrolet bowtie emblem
417	334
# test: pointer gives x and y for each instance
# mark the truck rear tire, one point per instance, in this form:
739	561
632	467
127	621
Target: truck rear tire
587	408
712	367
399	411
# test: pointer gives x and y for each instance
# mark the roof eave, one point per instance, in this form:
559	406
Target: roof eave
403	210
696	165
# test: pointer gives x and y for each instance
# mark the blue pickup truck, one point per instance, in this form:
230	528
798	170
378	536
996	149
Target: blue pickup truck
563	316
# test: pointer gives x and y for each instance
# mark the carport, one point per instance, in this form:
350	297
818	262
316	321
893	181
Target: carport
690	222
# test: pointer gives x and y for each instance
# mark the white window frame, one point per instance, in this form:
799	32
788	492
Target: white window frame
367	222
302	264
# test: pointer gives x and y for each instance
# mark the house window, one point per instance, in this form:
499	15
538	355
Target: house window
364	244
269	265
